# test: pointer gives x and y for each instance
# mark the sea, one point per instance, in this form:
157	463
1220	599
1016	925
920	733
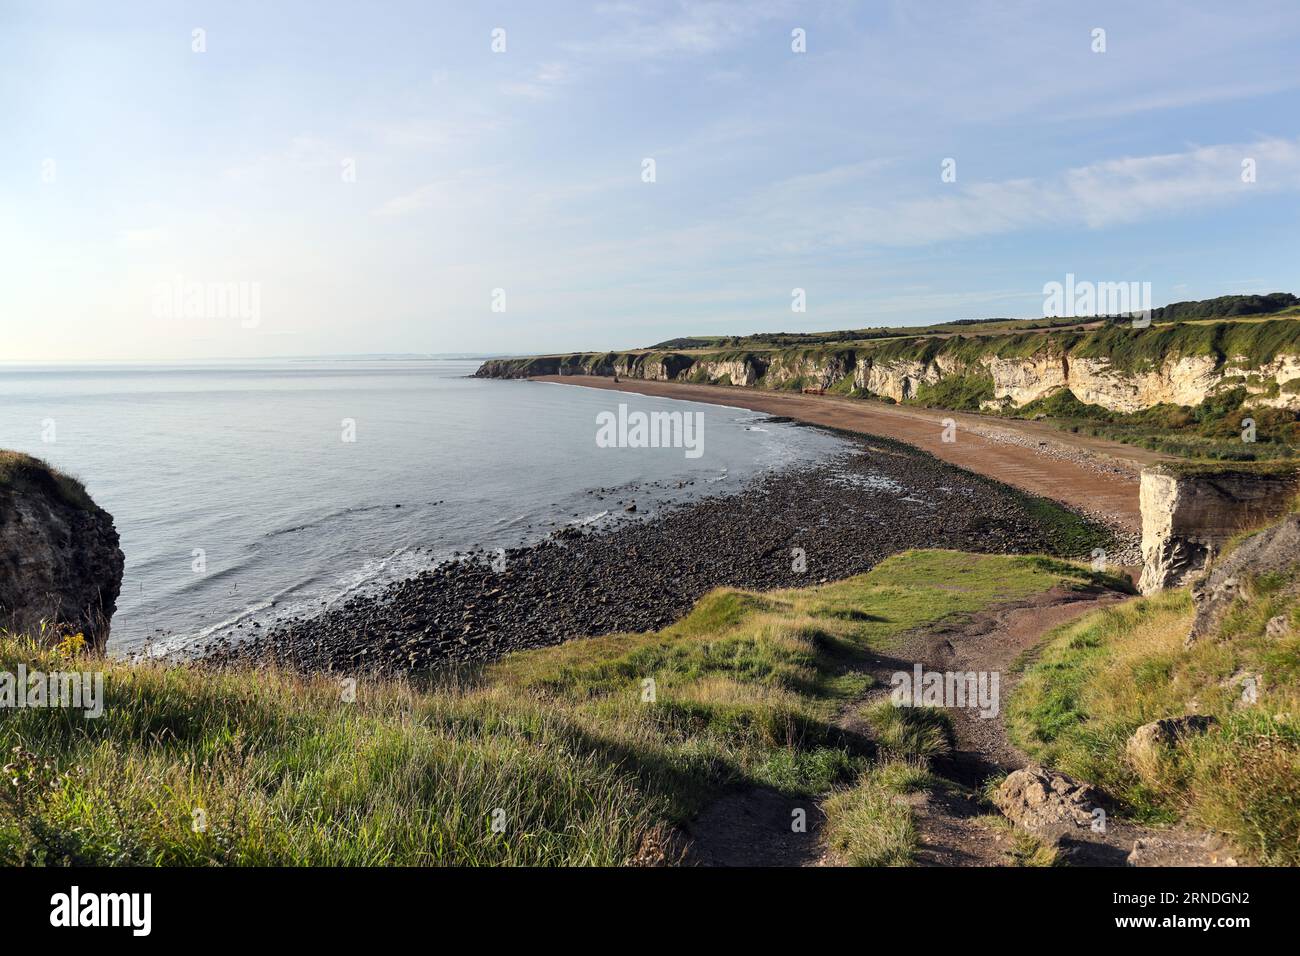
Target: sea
248	491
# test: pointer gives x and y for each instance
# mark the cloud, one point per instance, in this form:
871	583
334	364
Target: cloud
421	198
654	30
471	191
1096	196
543	83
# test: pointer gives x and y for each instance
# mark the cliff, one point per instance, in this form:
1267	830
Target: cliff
60	562
1189	512
1116	367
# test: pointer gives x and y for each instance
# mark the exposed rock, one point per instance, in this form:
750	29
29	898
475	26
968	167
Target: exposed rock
59	557
1275	549
645	573
817	371
1046	802
1248	684
1083	364
744	371
1018	381
1187	519
1278	626
1178	848
1150	739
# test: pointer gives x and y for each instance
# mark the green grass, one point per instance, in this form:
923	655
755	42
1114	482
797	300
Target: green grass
959	392
21	472
910	733
1103	676
1211	430
559	744
1022	847
869	824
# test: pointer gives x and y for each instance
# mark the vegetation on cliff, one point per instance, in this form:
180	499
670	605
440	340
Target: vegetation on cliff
1224	306
1101	678
19	472
1213	429
584	753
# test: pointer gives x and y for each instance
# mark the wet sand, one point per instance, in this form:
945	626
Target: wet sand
1090	475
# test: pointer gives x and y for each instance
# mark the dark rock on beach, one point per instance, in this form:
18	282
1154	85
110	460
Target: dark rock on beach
789	529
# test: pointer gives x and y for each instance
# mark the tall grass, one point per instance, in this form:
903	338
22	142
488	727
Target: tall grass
1104	675
563	756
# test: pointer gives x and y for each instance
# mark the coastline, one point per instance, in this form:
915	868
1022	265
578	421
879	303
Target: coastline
792	528
1092	476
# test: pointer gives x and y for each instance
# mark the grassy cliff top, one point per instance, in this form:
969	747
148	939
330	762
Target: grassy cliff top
1237	344
577	752
24	473
1286	468
1247	308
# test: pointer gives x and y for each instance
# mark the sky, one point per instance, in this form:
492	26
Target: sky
192	181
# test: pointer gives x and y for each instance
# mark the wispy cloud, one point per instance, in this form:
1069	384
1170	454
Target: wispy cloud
543	82
642	31
1096	196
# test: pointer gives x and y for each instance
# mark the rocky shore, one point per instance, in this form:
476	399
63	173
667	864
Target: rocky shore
789	529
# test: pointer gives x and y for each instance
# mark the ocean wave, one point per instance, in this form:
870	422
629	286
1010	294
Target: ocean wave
325	519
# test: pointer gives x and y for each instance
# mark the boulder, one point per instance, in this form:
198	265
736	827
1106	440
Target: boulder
60	563
1275	549
1158	735
1277	627
1045	802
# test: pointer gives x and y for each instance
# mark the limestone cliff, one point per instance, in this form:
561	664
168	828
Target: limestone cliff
59	557
1190	512
1119	368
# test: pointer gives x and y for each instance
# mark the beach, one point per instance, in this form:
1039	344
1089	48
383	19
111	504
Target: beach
1091	475
792	528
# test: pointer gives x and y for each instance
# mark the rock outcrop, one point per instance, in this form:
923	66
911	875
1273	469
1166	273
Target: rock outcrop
1150	739
1273	551
60	562
1188	516
744	371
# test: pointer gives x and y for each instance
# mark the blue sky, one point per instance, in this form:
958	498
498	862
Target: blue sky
133	163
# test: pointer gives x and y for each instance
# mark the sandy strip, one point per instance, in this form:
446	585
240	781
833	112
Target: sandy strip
1091	475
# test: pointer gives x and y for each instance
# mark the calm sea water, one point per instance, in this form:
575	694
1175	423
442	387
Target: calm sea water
248	464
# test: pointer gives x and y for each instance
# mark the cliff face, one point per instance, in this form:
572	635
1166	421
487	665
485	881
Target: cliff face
1186	518
1119	368
59	556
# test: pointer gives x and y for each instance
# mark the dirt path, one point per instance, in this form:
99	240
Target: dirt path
756	827
1092	475
955	826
